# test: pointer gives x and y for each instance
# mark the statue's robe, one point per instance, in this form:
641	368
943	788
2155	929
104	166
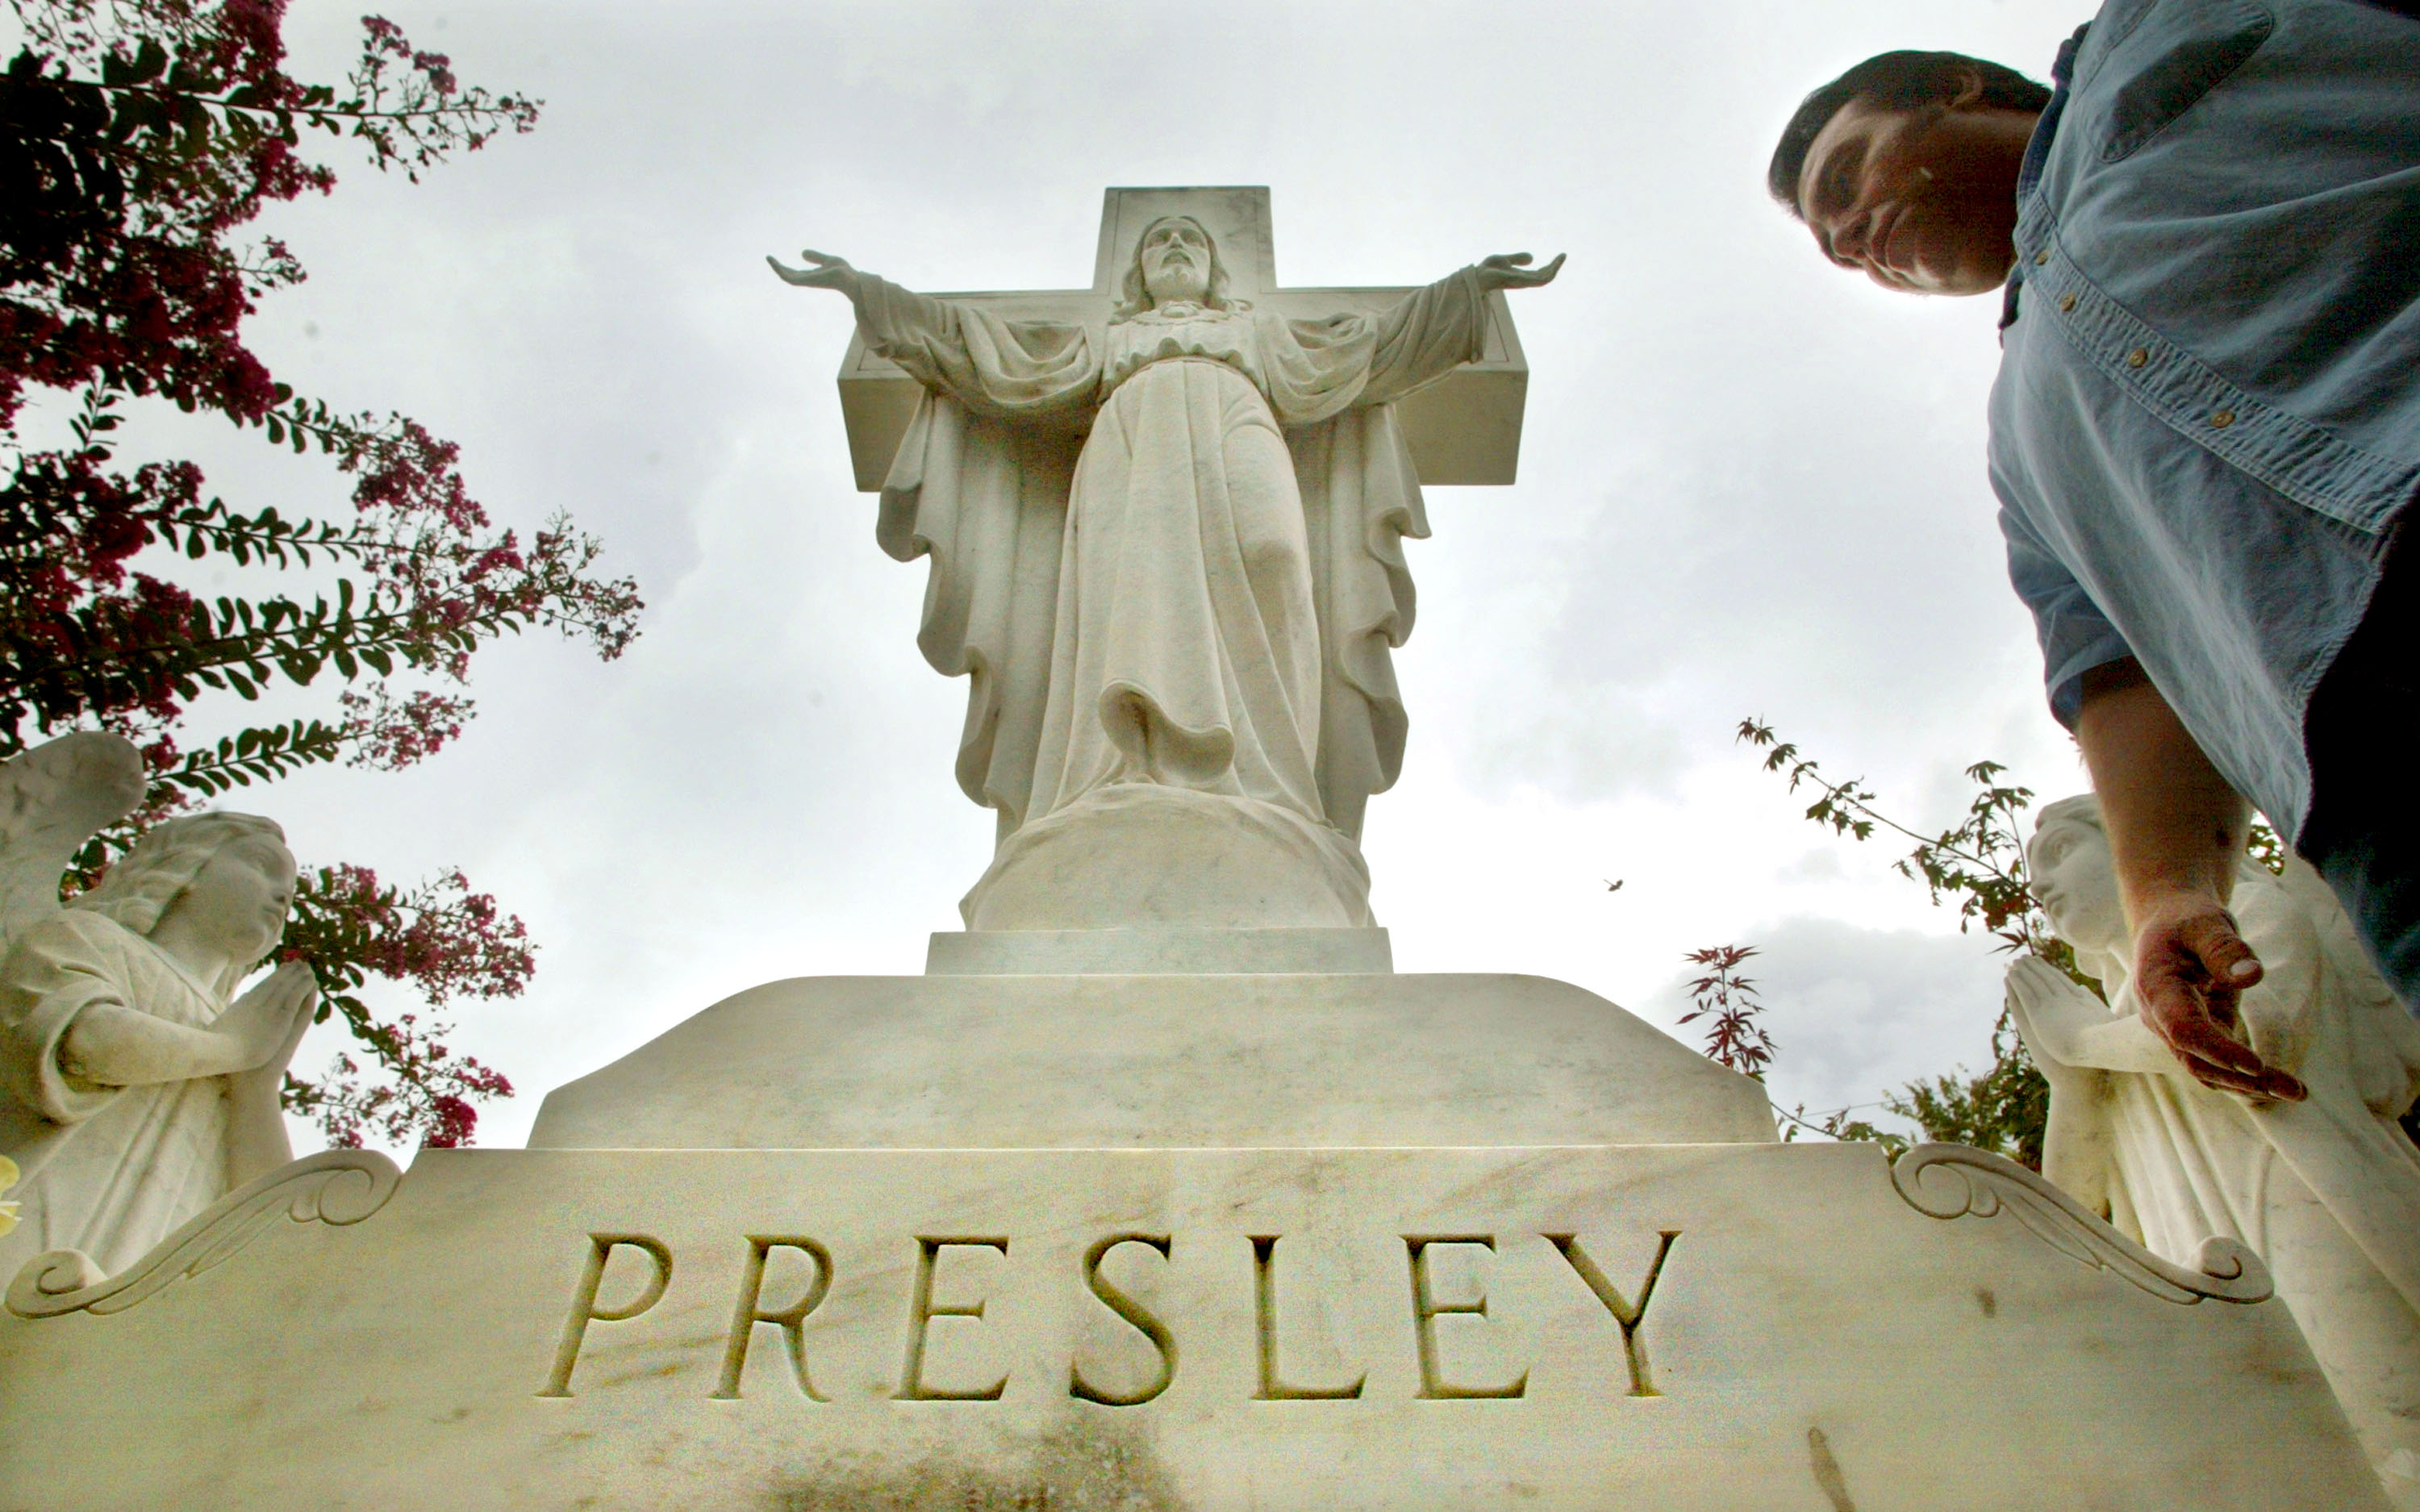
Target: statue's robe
2326	1191
1167	547
108	1170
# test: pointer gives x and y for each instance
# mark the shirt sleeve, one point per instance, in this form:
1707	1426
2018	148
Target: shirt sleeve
2075	635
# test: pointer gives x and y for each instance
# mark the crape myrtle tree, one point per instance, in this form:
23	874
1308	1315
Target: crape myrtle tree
139	139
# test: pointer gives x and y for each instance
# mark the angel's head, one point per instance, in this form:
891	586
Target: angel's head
1176	260
224	880
2074	875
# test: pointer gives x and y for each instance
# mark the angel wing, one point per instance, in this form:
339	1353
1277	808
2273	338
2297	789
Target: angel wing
52	799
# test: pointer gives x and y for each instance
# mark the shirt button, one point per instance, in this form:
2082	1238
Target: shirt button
2222	418
2137	357
2040	257
2067	302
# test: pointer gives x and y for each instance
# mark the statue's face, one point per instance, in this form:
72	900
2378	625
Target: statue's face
1920	201
2076	881
240	898
1175	259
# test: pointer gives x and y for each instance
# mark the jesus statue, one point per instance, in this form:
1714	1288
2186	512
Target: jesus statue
1167	548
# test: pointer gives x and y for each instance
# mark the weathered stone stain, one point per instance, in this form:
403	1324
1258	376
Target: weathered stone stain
1086	1464
1828	1478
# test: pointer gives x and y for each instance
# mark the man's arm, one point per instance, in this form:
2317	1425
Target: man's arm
2177	830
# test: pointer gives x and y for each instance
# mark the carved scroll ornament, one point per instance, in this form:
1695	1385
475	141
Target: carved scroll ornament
336	1186
1954	1181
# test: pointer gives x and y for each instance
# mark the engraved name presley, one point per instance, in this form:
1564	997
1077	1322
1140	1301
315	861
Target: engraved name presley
945	1276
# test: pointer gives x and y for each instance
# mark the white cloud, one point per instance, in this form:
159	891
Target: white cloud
1857	1014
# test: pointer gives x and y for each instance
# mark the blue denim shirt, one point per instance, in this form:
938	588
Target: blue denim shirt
2208	413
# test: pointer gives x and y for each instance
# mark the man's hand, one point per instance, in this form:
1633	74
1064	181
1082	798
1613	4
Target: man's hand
2177	832
2189	967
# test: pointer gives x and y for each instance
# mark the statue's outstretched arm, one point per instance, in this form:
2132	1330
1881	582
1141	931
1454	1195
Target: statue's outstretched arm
824	272
1432	331
888	313
1512	270
1025	367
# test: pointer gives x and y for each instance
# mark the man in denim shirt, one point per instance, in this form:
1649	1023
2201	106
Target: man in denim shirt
2205	435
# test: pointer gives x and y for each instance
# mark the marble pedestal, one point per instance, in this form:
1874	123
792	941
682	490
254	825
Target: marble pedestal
1110	1061
1229	1242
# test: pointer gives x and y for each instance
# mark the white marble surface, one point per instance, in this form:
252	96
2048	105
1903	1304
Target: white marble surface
1813	1341
1157	1060
1140	855
1172	951
133	1092
2326	1191
1464	429
1165	527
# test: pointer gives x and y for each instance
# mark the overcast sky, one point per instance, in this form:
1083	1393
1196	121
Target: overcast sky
1751	484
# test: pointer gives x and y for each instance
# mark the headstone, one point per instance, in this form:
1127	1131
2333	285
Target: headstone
1175	1206
2326	1190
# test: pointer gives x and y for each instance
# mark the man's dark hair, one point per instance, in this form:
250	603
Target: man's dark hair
1893	81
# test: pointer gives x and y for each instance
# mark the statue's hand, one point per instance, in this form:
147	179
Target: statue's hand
267	1021
827	272
1512	270
110	1044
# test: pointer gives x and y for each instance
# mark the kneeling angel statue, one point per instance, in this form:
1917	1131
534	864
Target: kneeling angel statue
133	1093
2325	1191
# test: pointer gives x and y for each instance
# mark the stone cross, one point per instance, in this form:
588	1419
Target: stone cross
1466	428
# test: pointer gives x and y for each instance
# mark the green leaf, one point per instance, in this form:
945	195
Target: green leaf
149	60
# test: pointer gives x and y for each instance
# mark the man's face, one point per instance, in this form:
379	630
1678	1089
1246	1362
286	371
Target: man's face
1921	201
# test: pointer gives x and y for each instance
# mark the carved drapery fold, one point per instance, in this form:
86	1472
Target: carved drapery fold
988	504
336	1186
982	484
1361	501
1954	1181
